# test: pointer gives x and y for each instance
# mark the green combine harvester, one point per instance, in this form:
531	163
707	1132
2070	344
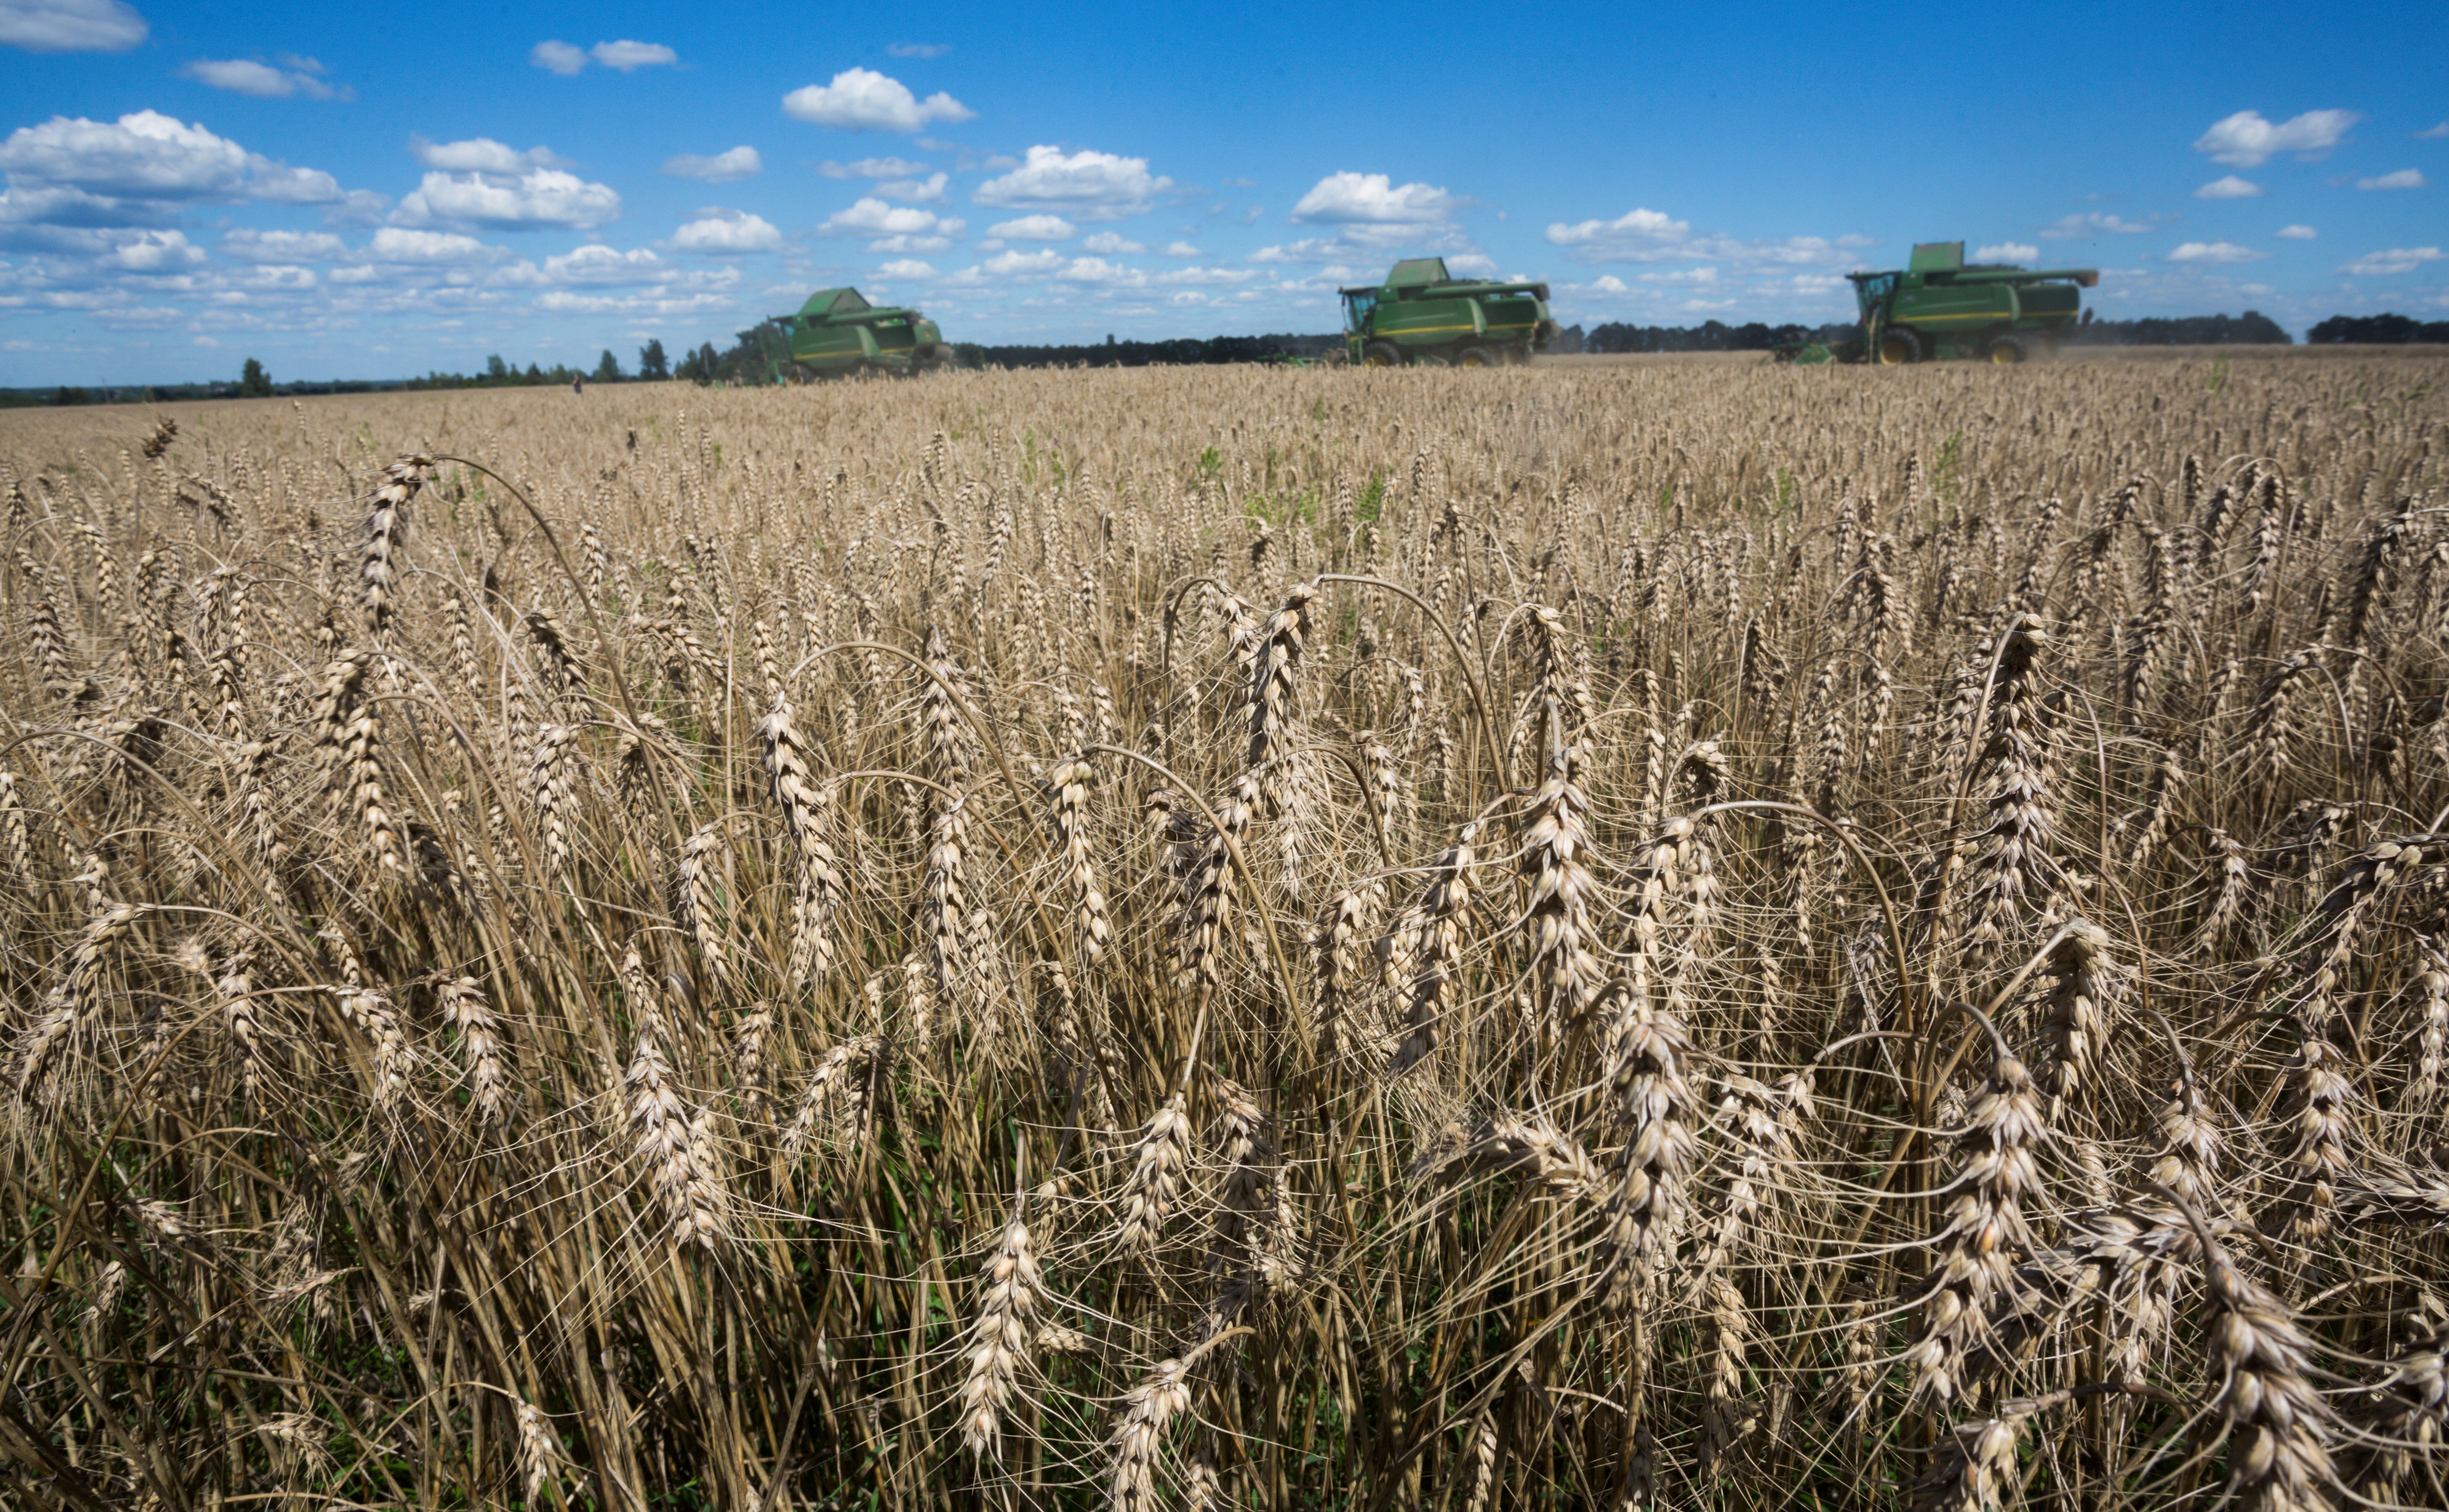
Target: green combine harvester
837	334
1426	318
1940	307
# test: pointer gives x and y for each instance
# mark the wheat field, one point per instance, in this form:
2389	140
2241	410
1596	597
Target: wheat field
1678	935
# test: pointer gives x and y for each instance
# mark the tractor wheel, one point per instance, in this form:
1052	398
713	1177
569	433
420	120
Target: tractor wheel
1477	357
2009	349
1381	354
1900	347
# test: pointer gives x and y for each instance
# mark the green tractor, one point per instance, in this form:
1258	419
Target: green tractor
837	332
1424	316
1940	307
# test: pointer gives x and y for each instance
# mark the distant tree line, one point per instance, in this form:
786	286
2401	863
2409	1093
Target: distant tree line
759	353
763	350
2251	329
2377	330
1616	337
653	367
1180	351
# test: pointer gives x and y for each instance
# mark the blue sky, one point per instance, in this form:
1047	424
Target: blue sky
370	191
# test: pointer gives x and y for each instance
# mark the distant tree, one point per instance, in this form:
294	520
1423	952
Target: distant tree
652	366
68	395
253	382
496	369
608	369
533	375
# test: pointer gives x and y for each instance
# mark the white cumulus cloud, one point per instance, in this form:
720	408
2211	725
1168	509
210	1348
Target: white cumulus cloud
2402	178
907	268
916	191
157	251
724	167
487	184
1343	197
2215	252
2245	139
2007	251
1106	244
567	58
1637	235
560	57
1178	249
2297	233
1042	228
630	56
139	170
1097	270
596	263
2395	260
2076	227
1643	235
1195	274
895	228
540	197
1023	264
478	155
2433	133
1083	186
727	231
70	26
280	246
1608	284
864	100
872	168
145	155
2231	187
872	217
398	244
262	80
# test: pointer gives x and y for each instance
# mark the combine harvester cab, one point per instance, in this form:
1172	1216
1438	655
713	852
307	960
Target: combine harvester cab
1422	315
1938	307
837	334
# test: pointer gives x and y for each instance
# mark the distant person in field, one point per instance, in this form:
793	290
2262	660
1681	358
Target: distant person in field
578	386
